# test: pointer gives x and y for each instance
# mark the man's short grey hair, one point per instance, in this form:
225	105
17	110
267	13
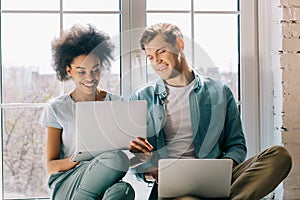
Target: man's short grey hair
168	31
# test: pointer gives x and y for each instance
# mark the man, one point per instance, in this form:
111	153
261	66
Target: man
195	117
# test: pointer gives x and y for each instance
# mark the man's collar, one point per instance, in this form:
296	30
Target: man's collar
160	87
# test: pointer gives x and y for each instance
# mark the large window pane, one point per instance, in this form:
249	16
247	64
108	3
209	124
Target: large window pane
23	154
218	36
26	57
99	20
168	4
181	20
111	79
216	5
88	5
30	5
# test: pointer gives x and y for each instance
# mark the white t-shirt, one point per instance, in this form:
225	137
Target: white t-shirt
61	114
178	127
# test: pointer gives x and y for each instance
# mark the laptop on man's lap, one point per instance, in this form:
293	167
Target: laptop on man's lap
204	178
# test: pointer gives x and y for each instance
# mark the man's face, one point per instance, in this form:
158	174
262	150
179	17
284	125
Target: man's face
164	57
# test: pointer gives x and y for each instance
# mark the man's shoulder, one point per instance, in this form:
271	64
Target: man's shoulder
217	88
210	80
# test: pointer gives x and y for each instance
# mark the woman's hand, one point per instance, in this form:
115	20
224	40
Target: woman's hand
142	150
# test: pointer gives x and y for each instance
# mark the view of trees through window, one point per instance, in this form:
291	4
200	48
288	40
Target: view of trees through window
28	80
23	137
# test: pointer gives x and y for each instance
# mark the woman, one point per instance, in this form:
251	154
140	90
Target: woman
81	54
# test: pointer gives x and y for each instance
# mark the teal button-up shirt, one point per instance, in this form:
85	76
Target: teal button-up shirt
216	123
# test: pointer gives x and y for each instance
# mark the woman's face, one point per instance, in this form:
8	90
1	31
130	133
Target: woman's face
85	71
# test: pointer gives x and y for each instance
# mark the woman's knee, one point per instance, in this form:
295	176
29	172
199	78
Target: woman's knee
119	191
116	159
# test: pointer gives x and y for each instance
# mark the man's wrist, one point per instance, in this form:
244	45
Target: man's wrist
149	174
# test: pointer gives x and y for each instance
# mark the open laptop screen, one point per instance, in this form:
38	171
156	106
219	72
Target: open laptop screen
108	125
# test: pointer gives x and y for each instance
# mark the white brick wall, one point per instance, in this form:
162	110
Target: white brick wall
291	44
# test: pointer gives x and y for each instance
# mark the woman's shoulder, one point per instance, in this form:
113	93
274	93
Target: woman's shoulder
113	97
60	101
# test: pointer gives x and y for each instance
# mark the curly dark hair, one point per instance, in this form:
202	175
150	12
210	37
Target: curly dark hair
80	40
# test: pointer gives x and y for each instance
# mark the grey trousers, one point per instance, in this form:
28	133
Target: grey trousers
258	176
95	179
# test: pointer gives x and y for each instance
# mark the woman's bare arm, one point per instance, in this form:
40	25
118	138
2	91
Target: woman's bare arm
54	163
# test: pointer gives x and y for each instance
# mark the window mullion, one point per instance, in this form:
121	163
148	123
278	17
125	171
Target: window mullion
249	75
138	69
125	48
1	118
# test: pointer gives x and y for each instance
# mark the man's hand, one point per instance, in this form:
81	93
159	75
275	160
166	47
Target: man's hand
142	150
152	174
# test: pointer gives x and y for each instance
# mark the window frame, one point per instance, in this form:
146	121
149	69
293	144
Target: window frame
249	71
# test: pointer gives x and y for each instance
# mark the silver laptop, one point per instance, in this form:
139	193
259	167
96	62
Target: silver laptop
107	125
206	178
